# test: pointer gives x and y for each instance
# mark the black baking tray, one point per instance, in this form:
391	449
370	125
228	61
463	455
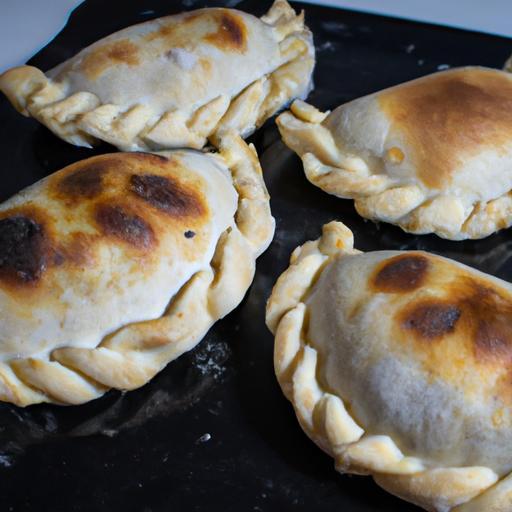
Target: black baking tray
213	430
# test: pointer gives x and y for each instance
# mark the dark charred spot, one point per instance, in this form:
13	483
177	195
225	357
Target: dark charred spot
84	182
190	234
58	258
433	320
476	313
23	249
401	274
231	33
128	227
233	29
166	195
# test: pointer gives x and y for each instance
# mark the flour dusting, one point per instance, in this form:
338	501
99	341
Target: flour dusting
5	460
184	59
328	46
204	438
210	359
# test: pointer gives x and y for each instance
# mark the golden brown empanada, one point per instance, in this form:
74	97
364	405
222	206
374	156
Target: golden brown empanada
116	265
433	155
398	365
172	82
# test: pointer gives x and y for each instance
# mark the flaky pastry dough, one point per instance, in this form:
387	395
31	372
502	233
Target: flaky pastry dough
397	365
172	82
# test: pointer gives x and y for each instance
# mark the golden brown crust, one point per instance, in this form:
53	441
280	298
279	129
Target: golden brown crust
224	29
447	118
221	28
108	55
230	33
460	326
126	200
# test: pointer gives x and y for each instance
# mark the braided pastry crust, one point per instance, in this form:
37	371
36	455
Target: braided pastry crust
391	367
433	155
162	84
92	255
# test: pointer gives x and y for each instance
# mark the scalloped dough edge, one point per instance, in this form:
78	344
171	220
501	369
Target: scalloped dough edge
327	421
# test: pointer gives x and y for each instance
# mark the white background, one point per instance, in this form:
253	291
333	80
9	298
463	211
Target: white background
28	25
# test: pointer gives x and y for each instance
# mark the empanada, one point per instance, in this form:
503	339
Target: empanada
433	155
398	365
116	265
172	82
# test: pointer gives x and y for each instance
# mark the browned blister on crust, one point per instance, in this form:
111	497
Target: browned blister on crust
401	274
398	365
110	55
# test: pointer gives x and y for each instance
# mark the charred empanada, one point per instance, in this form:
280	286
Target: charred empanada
433	155
398	365
172	82
116	265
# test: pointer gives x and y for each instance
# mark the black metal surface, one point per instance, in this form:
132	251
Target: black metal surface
147	450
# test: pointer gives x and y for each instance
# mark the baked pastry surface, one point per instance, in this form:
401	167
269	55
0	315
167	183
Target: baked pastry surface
172	82
397	364
117	264
433	155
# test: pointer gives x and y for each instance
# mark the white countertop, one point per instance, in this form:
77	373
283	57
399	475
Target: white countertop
28	25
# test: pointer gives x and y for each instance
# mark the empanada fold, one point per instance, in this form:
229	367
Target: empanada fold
440	489
327	421
376	152
131	355
82	118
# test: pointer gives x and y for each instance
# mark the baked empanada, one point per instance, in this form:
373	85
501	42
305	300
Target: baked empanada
172	82
116	265
398	365
433	155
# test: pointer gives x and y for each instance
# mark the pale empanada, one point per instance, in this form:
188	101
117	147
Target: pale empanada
172	82
398	365
116	265
433	155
